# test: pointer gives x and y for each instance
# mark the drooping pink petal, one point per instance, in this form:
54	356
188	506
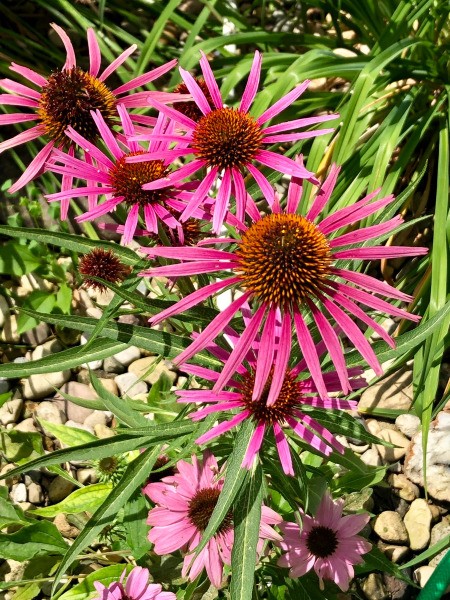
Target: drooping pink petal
283	354
117	62
265	354
283	103
196	91
308	436
95	57
293	137
107	135
29	74
283	164
24	136
324	193
283	450
35	168
252	83
88	147
351	214
261	180
309	352
200	194
145	78
254	445
12	118
173	114
210	81
100	210
222	428
70	52
76	192
222	201
371	284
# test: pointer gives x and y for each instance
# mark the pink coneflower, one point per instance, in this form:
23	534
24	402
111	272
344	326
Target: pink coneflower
66	98
119	181
326	542
137	587
296	265
282	400
185	503
227	141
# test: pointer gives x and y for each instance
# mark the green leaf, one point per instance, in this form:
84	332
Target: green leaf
41	300
246	519
375	560
135	514
88	499
234	476
63	298
38	539
135	475
10	514
20	446
106	576
69	436
66	359
17	260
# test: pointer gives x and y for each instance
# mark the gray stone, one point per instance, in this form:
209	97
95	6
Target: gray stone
408	424
10	480
73	411
395	553
438	458
59	489
27	426
418	524
394	391
96	418
129	384
49	411
373	587
94	364
400	442
82	426
149	370
439	531
10	411
12	570
37	335
19	493
371	457
390	527
86	476
42	385
46	349
111	365
402	487
127	356
35	493
103	432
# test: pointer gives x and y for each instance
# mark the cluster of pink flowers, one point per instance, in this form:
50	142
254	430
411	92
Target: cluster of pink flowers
289	264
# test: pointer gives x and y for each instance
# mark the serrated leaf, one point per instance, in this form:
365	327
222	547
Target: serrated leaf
88	499
246	519
38	539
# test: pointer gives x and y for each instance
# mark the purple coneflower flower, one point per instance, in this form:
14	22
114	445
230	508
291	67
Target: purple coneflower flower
326	542
296	265
137	587
184	505
227	141
120	181
66	98
272	404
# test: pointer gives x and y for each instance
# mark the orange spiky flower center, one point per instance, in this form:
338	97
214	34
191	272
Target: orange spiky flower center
128	178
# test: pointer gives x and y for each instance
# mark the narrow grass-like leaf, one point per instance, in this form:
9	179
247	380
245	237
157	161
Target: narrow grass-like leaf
135	475
246	520
66	359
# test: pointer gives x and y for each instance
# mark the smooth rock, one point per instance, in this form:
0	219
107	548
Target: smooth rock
46	349
438	458
35	493
111	365
37	335
371	457
42	385
395	553
12	570
103	432
408	424
129	384
127	356
423	574
19	493
73	411
439	531
86	476
394	391
9	332
110	385
398	439
94	364
59	489
27	426
4	311
10	411
149	370
418	524
76	425
396	588
390	527
64	527
49	411
373	587
403	487
11	479
96	418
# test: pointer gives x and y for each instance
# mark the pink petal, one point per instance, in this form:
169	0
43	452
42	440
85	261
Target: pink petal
117	62
308	436
222	201
88	147
283	103
100	210
145	78
351	214
70	52
10	100
283	450
295	189
222	428
29	74
74	193
265	354
293	137
24	136
309	352
254	445
366	233
196	91
324	193
283	164
252	83
296	123
95	57
381	252
107	135
371	284
185	269
200	194
263	183
282	358
173	114
211	82
190	253
11	118
34	169
19	88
